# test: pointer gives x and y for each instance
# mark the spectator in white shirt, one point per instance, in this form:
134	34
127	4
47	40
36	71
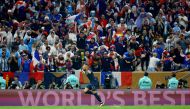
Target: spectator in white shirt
183	20
52	38
153	63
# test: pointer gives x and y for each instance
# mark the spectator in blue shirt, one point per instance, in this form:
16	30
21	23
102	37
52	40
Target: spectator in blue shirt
22	46
158	50
92	44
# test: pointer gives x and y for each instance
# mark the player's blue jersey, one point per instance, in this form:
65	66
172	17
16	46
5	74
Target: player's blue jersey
91	78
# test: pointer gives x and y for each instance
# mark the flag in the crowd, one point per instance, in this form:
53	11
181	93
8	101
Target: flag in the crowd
123	78
81	79
103	77
7	76
23	77
37	75
36	58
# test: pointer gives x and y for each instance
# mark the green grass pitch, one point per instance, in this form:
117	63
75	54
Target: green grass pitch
95	107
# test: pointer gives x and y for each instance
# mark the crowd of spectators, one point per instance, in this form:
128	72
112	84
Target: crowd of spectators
109	35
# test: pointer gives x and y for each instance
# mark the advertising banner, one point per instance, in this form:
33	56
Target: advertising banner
76	98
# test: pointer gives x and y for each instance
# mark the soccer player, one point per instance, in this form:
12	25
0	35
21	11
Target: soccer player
173	82
145	82
92	86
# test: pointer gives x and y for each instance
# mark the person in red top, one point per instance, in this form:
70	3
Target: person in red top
103	21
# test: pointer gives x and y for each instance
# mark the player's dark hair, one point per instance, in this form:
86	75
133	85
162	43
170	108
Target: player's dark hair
72	72
145	73
173	75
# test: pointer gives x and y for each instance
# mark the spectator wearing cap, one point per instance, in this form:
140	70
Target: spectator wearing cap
73	80
145	82
2	82
173	82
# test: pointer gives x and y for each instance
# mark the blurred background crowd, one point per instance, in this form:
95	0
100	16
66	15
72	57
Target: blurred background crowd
109	35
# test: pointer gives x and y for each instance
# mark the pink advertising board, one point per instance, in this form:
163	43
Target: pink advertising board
76	98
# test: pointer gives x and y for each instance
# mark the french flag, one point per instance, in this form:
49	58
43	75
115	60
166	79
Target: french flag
36	58
123	78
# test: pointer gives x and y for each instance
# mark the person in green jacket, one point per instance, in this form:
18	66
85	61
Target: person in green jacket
73	80
173	82
2	82
145	82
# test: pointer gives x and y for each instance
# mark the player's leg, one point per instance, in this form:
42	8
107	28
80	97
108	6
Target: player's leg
97	96
88	89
